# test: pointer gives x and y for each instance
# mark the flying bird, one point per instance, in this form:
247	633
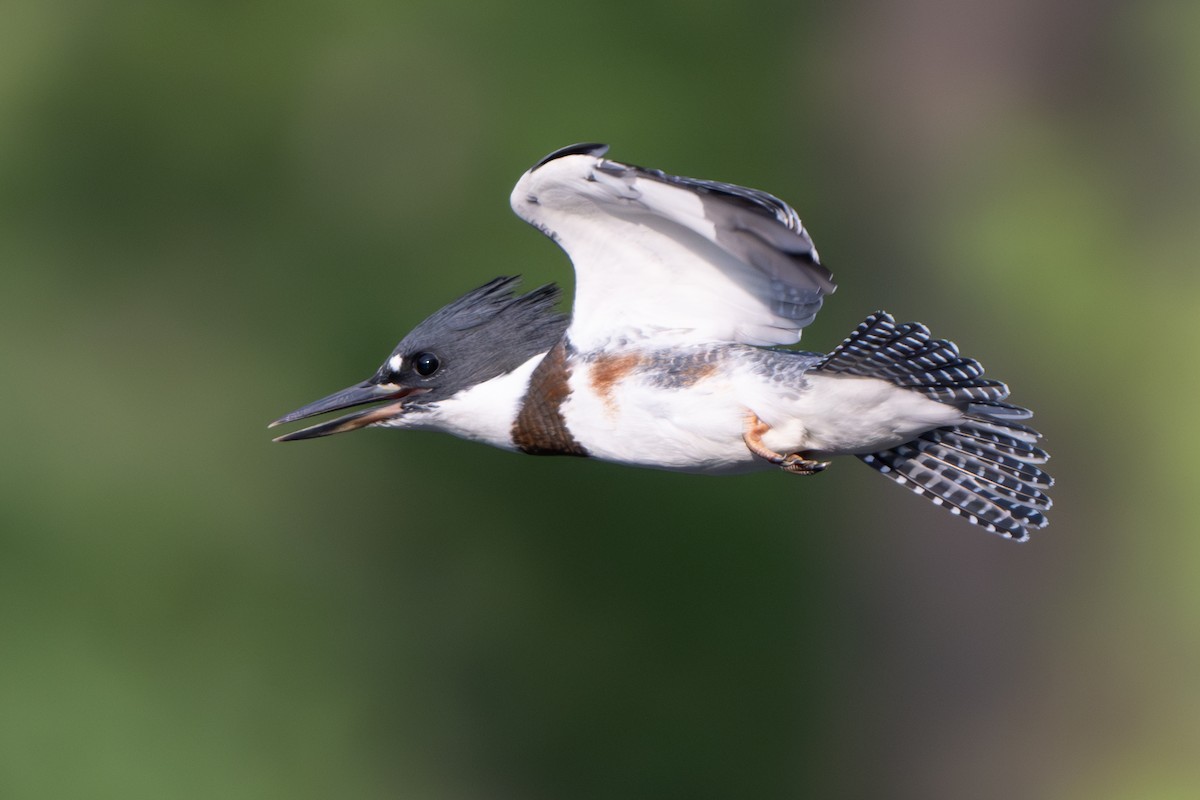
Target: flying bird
673	357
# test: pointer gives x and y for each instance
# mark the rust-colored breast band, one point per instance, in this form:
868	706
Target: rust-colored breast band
540	428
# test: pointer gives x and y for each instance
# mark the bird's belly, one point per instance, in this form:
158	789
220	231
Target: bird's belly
700	427
693	429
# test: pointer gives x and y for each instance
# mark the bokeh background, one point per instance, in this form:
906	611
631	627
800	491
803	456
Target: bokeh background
212	213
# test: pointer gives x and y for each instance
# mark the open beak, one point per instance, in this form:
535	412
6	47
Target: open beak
361	394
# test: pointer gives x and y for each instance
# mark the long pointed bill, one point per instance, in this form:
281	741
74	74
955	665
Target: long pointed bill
348	398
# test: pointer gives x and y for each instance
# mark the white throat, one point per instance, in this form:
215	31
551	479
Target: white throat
482	413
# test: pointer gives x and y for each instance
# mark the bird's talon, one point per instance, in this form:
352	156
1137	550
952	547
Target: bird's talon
797	464
794	463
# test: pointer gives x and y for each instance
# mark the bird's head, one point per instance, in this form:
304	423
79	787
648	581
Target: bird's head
482	335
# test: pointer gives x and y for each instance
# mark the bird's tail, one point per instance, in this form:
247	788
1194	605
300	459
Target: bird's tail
984	468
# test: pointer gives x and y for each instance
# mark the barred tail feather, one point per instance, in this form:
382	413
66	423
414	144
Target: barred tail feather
1001	493
985	468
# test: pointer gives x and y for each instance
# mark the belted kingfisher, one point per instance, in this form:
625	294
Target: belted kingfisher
686	292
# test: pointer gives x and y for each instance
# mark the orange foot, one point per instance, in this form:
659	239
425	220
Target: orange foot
795	463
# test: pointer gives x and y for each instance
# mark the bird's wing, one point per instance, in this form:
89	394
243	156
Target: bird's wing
670	258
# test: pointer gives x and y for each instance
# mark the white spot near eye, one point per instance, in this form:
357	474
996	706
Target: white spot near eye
394	363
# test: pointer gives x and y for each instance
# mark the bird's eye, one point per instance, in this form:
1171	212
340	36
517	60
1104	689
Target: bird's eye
426	364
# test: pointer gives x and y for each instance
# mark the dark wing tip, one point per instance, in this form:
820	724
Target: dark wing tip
581	149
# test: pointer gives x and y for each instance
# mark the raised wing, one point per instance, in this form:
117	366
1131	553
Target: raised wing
670	258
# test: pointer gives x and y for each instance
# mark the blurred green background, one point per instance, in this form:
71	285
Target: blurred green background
211	213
